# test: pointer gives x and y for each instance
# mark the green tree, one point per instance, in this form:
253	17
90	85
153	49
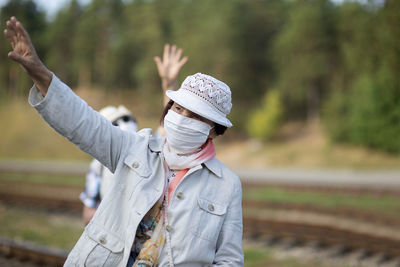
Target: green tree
98	31
144	36
383	124
365	109
264	122
62	33
302	51
354	57
254	25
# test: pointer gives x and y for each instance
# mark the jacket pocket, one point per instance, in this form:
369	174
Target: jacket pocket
137	165
208	219
107	248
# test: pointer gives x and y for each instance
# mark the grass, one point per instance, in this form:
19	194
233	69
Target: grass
58	231
27	136
49	179
256	257
381	204
389	205
62	232
303	146
265	256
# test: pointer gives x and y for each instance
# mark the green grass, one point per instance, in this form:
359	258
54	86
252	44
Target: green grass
265	257
58	231
50	179
256	257
27	136
381	204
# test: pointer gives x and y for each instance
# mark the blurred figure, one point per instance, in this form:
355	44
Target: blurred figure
99	177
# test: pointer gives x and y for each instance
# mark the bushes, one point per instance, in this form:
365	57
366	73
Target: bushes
367	115
264	122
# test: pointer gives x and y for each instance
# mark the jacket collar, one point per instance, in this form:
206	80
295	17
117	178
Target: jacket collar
156	143
214	166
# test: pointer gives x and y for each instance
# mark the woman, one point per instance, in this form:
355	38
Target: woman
172	203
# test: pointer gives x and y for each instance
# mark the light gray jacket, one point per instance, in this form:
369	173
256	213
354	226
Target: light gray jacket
205	217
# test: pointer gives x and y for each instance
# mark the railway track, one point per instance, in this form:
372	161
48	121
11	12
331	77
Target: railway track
264	228
74	206
324	236
26	254
255	227
349	213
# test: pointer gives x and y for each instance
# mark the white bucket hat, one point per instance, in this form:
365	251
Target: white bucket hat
112	113
205	96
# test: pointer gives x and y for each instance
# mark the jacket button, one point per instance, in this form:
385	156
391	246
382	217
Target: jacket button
179	195
168	228
135	165
210	207
102	240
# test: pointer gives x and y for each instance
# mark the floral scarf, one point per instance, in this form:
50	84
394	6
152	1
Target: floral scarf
151	232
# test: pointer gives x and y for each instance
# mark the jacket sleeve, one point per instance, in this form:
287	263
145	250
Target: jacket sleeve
229	244
71	117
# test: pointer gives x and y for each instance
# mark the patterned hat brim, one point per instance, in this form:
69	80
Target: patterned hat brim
196	105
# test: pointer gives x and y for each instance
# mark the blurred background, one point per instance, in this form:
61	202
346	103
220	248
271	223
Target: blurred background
316	114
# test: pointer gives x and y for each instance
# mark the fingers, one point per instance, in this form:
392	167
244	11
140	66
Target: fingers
177	55
172	53
11	25
12	33
158	63
16	32
23	33
9	38
166	53
182	62
171	57
16	57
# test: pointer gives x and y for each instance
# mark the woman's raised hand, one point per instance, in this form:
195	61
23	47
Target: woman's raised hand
169	68
24	53
170	65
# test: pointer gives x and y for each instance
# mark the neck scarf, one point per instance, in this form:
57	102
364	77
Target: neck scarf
151	248
187	161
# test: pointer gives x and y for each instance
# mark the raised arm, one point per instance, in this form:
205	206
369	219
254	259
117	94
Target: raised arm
169	67
66	112
25	54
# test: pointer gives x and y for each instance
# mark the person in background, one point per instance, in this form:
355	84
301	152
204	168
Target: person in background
171	202
98	178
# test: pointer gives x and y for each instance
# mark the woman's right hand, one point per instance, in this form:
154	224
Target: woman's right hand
24	53
171	64
169	68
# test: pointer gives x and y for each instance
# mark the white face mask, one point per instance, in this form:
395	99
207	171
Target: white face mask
185	135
